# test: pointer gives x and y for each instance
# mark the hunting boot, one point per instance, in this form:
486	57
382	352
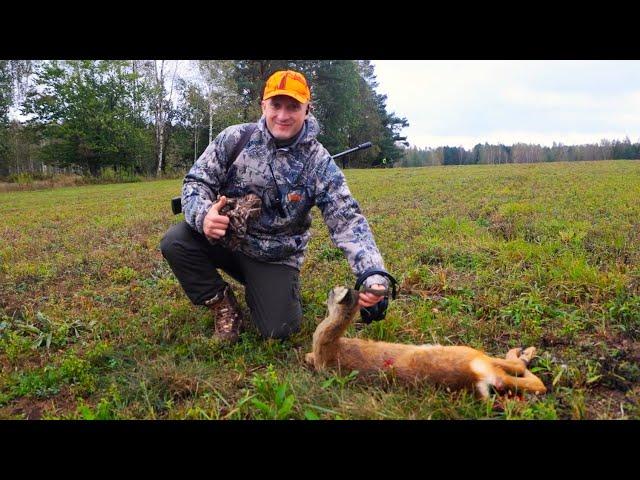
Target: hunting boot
227	315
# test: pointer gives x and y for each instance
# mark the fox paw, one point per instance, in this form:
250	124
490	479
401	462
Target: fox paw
513	354
308	358
528	355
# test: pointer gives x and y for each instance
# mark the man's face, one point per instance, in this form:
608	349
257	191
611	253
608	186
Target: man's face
284	115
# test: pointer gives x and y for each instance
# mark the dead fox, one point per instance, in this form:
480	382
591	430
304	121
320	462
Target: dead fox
454	367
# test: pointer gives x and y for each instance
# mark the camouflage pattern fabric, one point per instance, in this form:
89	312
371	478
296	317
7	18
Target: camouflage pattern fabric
305	176
242	212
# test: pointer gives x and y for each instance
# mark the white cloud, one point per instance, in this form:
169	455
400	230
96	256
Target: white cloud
469	102
528	97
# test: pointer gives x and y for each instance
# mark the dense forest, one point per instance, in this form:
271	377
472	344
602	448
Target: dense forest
154	117
520	153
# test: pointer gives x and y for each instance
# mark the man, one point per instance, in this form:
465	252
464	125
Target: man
284	164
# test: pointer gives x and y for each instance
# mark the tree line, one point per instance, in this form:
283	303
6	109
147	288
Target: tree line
520	153
153	117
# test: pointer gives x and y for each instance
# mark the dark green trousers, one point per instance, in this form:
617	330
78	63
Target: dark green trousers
272	291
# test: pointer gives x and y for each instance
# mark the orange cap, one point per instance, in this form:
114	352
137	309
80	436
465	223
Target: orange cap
287	82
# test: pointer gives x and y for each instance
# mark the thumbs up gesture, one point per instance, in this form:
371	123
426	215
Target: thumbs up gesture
215	225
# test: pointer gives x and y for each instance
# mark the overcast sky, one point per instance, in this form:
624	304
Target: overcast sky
461	103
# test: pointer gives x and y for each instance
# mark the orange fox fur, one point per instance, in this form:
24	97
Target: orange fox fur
454	367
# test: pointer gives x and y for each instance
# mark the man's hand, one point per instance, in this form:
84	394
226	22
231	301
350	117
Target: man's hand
215	225
368	299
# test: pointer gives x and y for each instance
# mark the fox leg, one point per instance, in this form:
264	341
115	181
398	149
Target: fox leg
514	367
516	360
528	383
524	356
513	354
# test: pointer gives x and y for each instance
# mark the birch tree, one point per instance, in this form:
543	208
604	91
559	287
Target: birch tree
161	75
221	89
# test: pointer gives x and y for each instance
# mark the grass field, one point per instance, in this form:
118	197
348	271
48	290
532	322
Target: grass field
93	324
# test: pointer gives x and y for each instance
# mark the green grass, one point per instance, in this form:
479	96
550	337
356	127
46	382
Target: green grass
93	324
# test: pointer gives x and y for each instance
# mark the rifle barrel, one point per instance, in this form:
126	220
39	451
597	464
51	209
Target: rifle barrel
359	147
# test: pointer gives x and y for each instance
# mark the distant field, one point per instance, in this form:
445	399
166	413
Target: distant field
94	325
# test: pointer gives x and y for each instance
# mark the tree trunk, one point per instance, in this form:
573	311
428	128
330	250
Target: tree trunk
210	120
160	146
159	114
195	142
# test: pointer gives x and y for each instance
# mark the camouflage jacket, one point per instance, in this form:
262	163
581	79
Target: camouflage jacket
305	175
